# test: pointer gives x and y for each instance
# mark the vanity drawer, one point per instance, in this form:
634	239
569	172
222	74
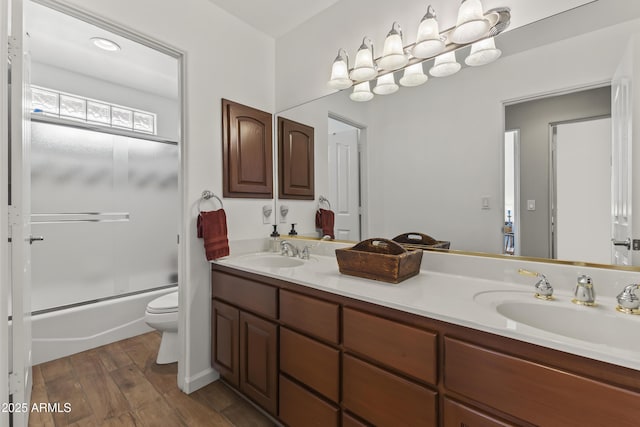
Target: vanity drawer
456	415
249	295
385	399
533	392
349	421
310	315
404	348
300	408
310	362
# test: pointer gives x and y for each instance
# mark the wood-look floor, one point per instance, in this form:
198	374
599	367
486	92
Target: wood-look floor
120	385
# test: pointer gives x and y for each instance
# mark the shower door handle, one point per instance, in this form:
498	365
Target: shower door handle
35	239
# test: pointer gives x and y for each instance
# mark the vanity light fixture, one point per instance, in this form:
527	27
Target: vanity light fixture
340	71
413	75
386	85
445	65
361	92
105	44
483	52
364	67
471	25
393	57
428	42
474	28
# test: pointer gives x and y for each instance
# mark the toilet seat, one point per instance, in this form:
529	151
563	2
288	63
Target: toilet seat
165	304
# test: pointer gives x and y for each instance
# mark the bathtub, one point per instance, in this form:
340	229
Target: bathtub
72	330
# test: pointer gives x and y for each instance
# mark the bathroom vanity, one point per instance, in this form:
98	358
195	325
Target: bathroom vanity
313	347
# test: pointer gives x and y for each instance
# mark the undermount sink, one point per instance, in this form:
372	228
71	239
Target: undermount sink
270	260
598	325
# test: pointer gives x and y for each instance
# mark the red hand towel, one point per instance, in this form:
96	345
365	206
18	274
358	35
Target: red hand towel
324	220
212	227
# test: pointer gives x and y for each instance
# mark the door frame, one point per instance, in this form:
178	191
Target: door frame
182	226
4	212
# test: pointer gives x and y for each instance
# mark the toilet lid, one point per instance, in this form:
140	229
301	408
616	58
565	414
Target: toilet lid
165	303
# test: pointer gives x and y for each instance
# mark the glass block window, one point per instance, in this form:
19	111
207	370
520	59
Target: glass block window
67	106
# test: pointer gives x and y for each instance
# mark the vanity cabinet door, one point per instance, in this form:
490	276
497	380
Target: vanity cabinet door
225	320
295	150
258	360
247	143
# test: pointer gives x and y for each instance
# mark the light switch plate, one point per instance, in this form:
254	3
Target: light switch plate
485	202
531	205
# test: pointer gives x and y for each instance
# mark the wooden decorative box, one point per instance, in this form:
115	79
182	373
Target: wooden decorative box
379	259
420	241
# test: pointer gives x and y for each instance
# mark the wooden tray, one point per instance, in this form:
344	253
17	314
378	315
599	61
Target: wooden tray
379	259
420	241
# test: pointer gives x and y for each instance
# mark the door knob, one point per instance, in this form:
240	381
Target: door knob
35	239
626	243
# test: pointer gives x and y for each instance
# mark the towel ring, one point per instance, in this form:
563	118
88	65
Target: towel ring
206	195
323	199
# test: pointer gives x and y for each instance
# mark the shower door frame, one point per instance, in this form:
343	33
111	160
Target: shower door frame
179	55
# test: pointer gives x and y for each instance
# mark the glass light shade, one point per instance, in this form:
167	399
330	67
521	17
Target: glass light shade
363	68
393	56
413	76
361	92
483	52
340	73
428	41
386	85
445	65
471	24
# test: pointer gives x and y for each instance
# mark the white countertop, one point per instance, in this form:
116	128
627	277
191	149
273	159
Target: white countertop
471	302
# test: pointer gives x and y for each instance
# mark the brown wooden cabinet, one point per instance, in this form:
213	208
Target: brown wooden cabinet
349	362
244	346
295	160
225	321
247	151
259	360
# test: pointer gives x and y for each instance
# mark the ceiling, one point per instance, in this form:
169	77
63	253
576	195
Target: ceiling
274	17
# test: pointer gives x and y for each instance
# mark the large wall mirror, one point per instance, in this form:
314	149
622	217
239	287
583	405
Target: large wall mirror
431	159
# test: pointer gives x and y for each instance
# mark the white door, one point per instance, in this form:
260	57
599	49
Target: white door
621	172
344	183
582	181
20	216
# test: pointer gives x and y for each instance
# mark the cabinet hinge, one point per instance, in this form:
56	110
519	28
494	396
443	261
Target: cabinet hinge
15	383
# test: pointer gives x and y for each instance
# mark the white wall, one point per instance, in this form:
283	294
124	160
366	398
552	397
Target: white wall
221	54
64	80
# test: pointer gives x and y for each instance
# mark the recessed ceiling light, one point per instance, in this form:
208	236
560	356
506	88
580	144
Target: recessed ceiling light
105	44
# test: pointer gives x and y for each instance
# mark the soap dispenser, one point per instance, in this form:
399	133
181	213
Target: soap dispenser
275	239
293	231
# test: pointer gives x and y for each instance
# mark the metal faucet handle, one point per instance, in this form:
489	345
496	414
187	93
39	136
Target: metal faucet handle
584	293
304	253
544	290
288	249
628	301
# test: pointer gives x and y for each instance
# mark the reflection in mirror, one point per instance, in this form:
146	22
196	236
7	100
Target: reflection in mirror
432	157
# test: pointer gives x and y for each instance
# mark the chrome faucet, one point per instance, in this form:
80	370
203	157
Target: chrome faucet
304	253
584	293
544	290
628	301
288	249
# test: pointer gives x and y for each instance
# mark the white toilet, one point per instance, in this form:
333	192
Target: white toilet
162	314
